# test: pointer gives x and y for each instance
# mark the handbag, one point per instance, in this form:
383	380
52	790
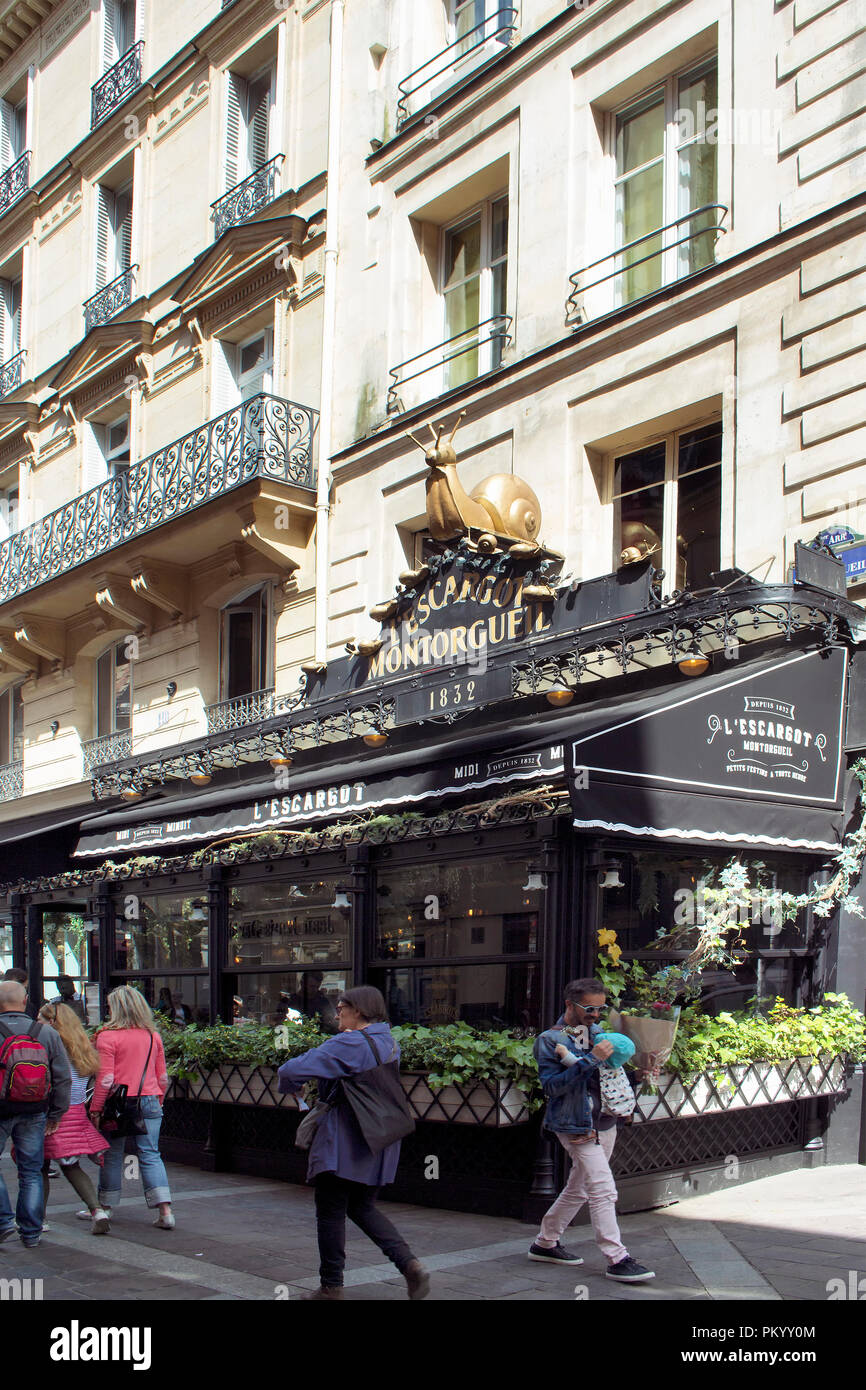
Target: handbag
617	1096
378	1102
121	1114
306	1131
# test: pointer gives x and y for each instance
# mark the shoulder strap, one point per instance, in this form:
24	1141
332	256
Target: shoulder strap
146	1063
32	1030
369	1041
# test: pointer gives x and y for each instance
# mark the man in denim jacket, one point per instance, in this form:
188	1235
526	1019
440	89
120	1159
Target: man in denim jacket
574	1115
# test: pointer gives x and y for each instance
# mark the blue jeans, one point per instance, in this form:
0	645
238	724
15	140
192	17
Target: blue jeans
27	1133
154	1178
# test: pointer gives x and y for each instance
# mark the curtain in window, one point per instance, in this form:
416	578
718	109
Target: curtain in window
640	197
697	168
462	289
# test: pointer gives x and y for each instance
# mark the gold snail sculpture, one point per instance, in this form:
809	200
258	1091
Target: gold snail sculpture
502	505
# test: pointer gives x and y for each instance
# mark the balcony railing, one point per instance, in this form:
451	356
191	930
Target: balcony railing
245	710
488	339
264	437
108	301
115	86
14	182
12	373
11	780
108	748
573	307
247	197
499	26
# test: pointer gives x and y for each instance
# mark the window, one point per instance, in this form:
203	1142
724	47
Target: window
243	370
118	33
245	646
474	286
667	502
107	458
250	103
666	170
113	691
113	233
13	132
11	725
10	319
473	21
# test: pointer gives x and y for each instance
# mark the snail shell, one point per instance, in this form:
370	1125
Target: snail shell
513	507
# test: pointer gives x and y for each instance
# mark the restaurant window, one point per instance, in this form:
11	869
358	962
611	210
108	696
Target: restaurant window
12	724
66	947
474	288
667	499
662	890
666	169
459	942
113	691
245	645
161	931
289	951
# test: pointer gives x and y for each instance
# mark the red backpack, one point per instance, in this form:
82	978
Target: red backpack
25	1069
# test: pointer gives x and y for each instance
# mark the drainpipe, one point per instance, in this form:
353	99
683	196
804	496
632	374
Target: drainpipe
329	329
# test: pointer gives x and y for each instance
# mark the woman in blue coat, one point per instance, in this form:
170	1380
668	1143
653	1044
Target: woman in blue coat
346	1173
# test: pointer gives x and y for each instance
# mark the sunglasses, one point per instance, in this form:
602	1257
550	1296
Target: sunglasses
591	1009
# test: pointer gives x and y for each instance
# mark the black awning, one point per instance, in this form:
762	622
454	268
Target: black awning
750	757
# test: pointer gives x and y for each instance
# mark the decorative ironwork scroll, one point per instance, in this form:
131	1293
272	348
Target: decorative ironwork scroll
14	182
11	780
115	86
247	197
108	748
12	373
108	301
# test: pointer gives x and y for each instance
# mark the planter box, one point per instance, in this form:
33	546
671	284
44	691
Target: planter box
493	1103
741	1086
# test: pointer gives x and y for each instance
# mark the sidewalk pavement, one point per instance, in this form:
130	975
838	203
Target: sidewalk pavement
779	1239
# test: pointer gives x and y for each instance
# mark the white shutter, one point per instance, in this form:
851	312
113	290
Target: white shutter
138	27
18	133
110	33
94	470
104	236
122	231
14	336
4	319
7	122
236	97
259	120
226	393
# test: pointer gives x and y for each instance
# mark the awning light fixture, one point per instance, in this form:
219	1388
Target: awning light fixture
375	738
559	696
694	662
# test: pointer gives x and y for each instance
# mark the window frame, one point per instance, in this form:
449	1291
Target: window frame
673	260
8	706
490	351
669	559
263	657
113	649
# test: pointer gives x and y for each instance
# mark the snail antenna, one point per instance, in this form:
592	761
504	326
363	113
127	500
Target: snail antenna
421	446
459	420
433	432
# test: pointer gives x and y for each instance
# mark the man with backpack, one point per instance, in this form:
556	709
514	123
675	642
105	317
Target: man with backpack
35	1085
569	1075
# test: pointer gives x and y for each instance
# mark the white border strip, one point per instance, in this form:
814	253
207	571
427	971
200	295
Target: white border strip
707	837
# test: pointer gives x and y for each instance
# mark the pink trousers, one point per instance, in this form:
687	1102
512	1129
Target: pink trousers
590	1181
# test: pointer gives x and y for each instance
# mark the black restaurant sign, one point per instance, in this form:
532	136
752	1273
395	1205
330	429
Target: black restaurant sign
311	804
774	732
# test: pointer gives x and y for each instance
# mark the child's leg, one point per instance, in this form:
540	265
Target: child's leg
75	1174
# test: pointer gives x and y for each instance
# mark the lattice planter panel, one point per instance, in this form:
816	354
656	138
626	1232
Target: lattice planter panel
493	1103
742	1086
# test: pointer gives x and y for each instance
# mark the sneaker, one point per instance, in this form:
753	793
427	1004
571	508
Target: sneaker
166	1223
53	1171
628	1271
9	1232
85	1215
45	1227
417	1280
100	1223
556	1255
30	1242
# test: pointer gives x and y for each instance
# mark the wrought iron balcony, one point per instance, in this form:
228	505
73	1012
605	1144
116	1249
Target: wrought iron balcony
702	252
487	340
264	437
108	748
116	85
11	780
12	373
14	182
247	197
108	301
498	26
245	710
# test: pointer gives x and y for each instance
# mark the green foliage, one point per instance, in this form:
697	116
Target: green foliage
193	1051
458	1053
830	1028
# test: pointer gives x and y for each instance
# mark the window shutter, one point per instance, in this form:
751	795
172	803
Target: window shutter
226	394
122	231
5	295
14	338
110	33
235	97
7	121
104	235
18	133
258	121
94	470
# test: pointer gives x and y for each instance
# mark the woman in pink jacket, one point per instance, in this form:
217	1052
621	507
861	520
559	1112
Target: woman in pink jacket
131	1054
